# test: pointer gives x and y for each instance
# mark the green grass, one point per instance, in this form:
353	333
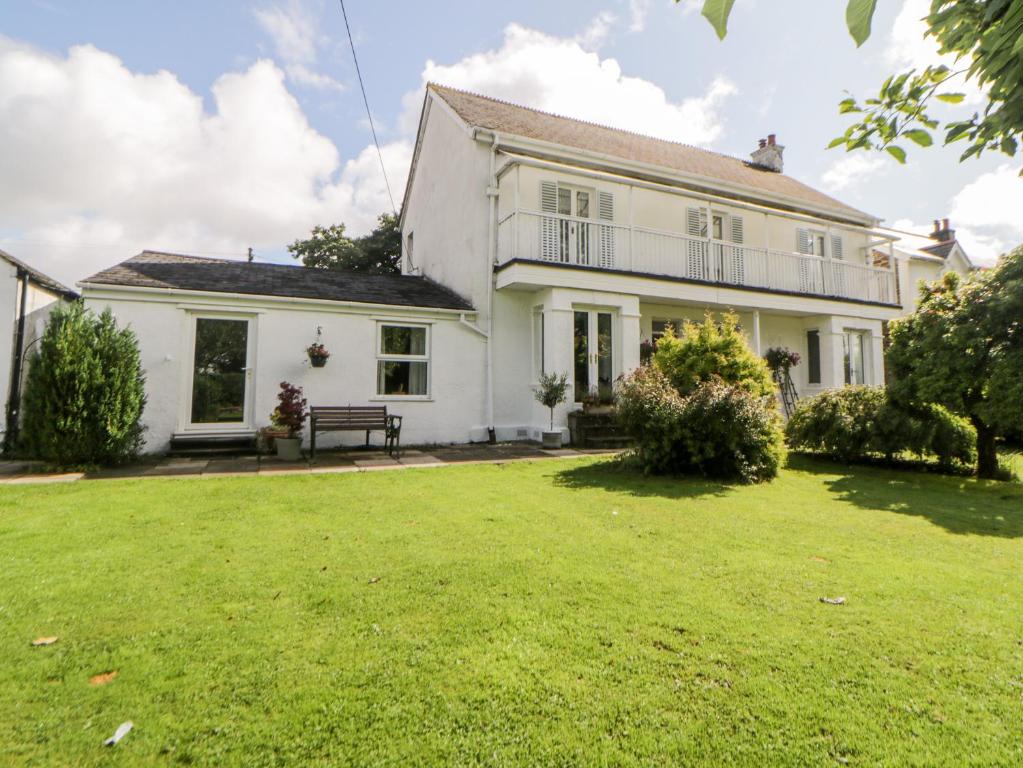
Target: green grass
553	613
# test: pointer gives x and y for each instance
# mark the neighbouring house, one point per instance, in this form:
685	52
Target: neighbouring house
27	297
926	258
531	243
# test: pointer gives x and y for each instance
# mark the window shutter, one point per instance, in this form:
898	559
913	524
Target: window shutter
696	250
803	241
736	229
735	263
549	250
606	212
836	247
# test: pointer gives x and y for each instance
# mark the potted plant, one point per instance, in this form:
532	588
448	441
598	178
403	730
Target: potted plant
646	351
318	354
288	418
780	360
551	393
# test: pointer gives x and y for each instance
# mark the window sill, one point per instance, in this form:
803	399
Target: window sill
401	399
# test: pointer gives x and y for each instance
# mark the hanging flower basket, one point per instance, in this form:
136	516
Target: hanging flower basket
318	355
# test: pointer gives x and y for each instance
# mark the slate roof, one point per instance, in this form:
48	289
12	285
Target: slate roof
45	281
512	119
152	269
942	249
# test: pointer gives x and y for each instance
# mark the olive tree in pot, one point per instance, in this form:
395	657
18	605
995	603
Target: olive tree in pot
287	419
551	393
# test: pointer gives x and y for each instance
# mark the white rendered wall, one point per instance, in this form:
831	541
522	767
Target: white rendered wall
452	413
8	325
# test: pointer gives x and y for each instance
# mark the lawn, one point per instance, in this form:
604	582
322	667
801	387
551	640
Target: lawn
547	613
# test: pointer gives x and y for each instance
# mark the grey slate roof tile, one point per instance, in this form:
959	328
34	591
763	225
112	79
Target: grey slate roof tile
151	269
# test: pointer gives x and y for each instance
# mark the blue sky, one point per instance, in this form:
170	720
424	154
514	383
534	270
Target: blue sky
211	127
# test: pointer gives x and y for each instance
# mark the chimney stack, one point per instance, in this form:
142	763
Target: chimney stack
943	232
768	154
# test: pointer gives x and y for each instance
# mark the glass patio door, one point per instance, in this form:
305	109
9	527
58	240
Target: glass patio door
220	373
593	333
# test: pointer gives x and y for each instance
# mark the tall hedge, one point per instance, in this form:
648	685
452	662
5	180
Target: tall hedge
85	391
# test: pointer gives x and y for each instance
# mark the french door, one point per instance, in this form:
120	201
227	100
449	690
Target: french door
220	381
574	235
593	333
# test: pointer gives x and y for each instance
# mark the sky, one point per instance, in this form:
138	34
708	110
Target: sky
210	128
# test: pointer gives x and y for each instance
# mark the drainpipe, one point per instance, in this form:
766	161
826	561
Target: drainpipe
491	258
14	399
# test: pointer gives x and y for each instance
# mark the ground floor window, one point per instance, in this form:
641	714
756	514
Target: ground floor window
219	368
813	357
659	327
853	347
403	360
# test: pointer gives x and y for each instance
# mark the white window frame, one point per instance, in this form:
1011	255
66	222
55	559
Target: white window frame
539	333
865	362
381	357
185	423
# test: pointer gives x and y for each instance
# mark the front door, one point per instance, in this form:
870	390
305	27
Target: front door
593	333
574	231
220	373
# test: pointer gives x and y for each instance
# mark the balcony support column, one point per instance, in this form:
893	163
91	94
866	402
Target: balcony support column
756	332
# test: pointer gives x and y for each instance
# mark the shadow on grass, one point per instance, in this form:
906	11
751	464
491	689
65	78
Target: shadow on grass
619	476
958	504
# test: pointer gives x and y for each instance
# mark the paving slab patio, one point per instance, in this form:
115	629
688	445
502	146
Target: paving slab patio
326	462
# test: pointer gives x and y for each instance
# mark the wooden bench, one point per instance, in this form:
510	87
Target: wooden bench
348	418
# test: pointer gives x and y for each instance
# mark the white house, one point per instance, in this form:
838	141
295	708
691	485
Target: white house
532	243
27	297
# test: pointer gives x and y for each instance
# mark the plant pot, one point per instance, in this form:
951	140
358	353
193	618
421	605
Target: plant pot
288	448
552	439
318	361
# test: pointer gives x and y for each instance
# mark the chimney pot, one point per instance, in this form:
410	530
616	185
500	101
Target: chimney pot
944	224
771	139
937	225
763	143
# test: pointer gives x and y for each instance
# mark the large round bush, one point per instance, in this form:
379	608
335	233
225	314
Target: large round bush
85	391
718	430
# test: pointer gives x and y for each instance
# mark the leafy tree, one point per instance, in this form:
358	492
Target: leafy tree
378	253
985	37
963	349
710	350
85	391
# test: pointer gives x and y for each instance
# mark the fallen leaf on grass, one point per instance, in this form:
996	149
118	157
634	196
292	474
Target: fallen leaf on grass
120	733
44	641
833	600
818	559
103	678
374	580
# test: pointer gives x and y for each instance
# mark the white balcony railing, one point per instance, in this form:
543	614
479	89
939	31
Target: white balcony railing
549	238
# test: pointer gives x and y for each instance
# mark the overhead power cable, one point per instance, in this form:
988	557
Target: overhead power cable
365	101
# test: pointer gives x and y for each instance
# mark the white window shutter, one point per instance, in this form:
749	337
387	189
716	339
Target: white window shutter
736	222
606	212
735	263
549	232
836	247
696	250
803	241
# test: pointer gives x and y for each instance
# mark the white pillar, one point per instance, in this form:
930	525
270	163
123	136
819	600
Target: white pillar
756	332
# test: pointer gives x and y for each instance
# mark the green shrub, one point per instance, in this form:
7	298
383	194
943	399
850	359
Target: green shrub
85	391
718	430
711	350
855	423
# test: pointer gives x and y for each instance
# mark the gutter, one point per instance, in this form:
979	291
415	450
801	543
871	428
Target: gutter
14	398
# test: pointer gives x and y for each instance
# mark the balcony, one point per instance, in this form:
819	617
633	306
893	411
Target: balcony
585	243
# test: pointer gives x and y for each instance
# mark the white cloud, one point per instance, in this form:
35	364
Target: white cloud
560	75
597	31
293	29
638	10
852	171
986	213
146	166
